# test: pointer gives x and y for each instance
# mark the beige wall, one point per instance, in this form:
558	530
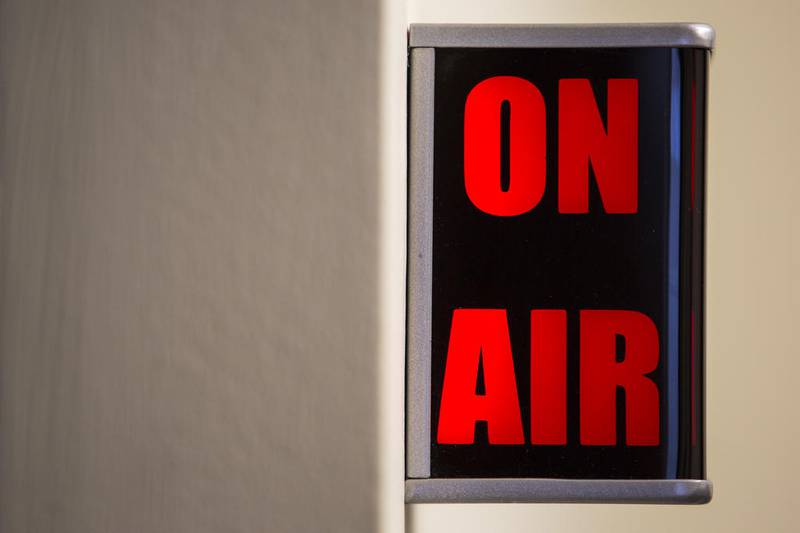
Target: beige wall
753	271
189	254
201	266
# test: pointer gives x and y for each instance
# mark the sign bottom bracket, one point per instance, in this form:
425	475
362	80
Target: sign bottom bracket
516	490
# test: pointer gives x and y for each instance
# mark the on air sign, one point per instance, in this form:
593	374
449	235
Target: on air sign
556	263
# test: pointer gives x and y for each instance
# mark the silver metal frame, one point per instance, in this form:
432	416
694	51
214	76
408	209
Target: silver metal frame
686	35
522	490
423	39
420	263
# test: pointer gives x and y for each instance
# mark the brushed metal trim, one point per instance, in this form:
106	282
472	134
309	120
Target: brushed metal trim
672	35
420	488
505	490
420	263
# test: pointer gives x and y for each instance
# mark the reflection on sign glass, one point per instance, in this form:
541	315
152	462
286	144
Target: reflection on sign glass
567	263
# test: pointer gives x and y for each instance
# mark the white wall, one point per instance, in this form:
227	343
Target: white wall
753	271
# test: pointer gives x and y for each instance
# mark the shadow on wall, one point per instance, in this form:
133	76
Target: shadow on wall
188	265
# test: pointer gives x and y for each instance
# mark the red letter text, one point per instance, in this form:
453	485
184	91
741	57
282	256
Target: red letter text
613	151
549	377
479	336
601	374
526	145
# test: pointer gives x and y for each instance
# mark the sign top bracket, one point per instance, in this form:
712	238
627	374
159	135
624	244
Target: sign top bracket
671	35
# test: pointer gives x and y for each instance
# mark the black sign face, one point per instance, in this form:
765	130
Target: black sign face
566	305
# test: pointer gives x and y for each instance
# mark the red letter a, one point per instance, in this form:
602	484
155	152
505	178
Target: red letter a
479	335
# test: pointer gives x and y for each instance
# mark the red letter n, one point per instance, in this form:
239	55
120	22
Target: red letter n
601	374
479	336
613	150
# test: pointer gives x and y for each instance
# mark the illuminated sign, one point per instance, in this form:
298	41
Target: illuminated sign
556	263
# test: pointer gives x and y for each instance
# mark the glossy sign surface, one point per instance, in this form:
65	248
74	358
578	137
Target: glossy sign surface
567	315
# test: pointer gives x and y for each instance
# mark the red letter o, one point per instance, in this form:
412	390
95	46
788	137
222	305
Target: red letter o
527	145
